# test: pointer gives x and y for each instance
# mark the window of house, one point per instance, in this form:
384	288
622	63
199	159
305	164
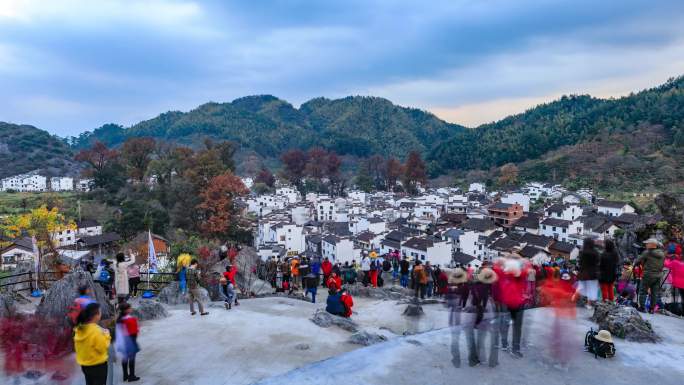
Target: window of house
544	226
554	228
565	230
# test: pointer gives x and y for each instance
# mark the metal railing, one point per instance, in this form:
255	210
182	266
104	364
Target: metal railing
157	281
45	279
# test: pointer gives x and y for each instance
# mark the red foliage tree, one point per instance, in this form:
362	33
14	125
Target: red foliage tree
266	177
393	170
414	172
295	165
218	204
316	163
98	156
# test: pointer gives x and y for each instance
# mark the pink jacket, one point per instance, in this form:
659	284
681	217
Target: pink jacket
676	272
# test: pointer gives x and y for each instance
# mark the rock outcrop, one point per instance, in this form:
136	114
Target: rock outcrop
624	322
387	292
365	338
325	320
8	307
171	295
413	309
246	278
146	309
57	300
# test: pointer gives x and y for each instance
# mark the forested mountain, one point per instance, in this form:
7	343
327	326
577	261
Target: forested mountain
568	121
25	148
358	126
630	142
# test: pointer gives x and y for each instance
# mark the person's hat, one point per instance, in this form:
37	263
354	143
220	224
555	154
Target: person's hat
604	336
565	277
487	275
458	276
652	240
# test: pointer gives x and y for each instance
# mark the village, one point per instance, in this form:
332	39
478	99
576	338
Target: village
446	226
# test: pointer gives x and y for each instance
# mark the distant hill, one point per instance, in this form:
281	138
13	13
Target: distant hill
267	125
579	138
632	142
25	148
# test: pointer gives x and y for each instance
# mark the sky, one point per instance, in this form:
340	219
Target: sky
68	66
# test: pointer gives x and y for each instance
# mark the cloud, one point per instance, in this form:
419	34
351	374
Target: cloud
468	61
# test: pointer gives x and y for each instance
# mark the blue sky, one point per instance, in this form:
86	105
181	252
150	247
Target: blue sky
72	65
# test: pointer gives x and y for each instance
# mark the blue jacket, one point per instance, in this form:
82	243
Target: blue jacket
334	305
316	267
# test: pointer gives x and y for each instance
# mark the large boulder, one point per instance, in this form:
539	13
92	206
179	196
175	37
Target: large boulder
8	307
386	292
146	309
413	309
56	302
247	262
624	322
171	295
365	338
325	320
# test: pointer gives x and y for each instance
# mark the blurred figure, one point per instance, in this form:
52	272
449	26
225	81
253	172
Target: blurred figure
334	282
420	279
511	291
608	266
182	264
133	278
311	286
231	285
127	341
91	343
588	272
430	284
404	267
481	318
326	267
456	297
334	303
347	303
653	260
559	294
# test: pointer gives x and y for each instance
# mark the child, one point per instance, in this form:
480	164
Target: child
84	299
229	275
91	343
127	341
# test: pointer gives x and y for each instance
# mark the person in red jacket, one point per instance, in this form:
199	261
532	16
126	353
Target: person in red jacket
229	274
511	292
326	267
334	282
127	341
348	303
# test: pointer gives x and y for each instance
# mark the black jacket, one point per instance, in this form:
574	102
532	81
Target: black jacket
588	268
404	265
608	267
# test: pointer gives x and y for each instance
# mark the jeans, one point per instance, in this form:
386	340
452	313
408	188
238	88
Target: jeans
476	342
517	318
430	288
403	280
95	374
313	291
651	282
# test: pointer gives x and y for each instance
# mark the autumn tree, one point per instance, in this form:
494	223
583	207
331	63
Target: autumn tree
218	204
294	162
317	159
136	154
414	172
392	172
266	177
103	166
508	174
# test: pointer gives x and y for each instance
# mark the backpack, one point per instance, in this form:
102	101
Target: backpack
105	276
386	265
599	348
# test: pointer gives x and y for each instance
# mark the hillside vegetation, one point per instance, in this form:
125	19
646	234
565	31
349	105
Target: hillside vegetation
25	148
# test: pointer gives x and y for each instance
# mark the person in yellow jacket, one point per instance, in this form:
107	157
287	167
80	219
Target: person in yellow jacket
91	343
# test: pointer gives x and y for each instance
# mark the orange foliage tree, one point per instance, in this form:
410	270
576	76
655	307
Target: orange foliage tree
218	204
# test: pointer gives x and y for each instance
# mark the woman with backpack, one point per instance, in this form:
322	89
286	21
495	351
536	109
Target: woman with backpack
608	271
91	343
127	341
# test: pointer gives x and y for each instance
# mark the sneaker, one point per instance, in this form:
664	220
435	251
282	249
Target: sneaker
133	379
193	313
516	354
205	313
